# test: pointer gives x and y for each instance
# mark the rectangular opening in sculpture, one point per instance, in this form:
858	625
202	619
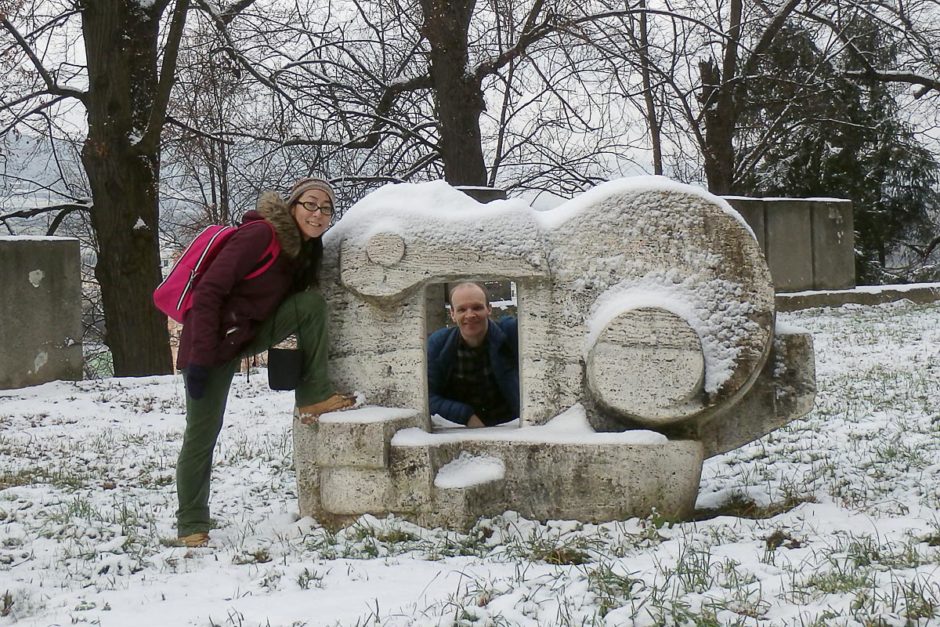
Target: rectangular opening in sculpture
472	356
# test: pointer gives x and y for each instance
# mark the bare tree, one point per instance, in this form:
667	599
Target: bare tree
124	96
123	79
483	93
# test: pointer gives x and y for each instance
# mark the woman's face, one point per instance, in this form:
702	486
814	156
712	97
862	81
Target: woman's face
313	213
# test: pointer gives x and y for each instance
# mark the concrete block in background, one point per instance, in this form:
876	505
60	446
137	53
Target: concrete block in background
833	244
789	247
809	243
40	310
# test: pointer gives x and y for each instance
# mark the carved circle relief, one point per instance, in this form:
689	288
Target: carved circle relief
648	365
385	249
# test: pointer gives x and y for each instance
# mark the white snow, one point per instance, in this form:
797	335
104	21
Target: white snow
569	427
436	212
366	415
850	533
789	328
869	289
36	277
35	238
469	470
555	218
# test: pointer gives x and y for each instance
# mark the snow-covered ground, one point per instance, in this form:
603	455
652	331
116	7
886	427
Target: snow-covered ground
834	520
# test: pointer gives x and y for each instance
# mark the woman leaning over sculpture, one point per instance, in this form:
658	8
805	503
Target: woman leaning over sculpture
233	316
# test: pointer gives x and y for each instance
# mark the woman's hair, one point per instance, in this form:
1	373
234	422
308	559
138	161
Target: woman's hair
307	272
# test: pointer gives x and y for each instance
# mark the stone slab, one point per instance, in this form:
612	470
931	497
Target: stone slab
353	491
588	482
785	391
40	311
789	245
922	294
833	245
346	441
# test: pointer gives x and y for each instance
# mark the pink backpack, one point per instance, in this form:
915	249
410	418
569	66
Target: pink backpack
174	296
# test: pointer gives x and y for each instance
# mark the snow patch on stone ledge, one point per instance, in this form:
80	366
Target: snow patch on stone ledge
554	218
788	328
470	470
366	414
867	289
569	427
433	208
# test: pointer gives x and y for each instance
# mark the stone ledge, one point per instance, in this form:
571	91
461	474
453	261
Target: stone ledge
919	293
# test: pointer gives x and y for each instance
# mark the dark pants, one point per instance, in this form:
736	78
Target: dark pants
303	314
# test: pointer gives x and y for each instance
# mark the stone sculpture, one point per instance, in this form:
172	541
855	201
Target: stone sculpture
647	343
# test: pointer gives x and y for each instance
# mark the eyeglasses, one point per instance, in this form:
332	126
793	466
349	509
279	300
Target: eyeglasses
326	210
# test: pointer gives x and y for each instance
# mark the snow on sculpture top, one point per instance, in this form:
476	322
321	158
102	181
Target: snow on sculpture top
644	299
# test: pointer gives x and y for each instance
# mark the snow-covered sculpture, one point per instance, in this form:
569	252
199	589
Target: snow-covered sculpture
647	344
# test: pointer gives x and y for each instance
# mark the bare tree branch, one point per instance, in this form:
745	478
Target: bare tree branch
150	138
31	213
51	86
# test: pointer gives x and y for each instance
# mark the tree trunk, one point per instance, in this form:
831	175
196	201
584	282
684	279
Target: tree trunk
652	121
121	49
719	117
458	95
721	114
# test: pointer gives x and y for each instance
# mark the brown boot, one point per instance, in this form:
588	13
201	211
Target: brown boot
195	540
309	414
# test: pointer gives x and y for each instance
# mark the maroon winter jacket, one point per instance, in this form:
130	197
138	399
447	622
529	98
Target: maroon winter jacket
227	309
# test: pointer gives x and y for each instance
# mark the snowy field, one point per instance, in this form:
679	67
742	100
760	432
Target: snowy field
834	520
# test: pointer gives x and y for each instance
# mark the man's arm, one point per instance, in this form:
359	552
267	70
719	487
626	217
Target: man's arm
448	408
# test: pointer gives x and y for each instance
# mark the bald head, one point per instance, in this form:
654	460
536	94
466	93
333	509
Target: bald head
466	285
470	310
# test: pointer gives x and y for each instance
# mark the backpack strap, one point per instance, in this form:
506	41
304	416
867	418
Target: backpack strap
270	254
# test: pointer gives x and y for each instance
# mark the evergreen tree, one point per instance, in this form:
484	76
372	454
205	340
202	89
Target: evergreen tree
841	138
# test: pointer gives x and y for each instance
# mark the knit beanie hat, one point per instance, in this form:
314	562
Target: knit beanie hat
306	184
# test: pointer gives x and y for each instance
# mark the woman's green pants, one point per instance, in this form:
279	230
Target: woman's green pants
303	314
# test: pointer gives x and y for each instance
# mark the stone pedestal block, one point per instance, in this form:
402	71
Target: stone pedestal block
355	490
833	245
40	311
809	242
346	439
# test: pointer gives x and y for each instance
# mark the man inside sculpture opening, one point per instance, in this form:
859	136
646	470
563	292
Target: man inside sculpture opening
473	368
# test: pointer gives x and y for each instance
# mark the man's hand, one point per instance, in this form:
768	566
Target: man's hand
474	422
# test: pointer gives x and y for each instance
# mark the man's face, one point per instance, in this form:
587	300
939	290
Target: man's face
471	311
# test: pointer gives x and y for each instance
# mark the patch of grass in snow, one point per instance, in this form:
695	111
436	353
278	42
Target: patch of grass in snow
259	555
60	477
544	545
611	588
914	601
307	579
740	506
840	579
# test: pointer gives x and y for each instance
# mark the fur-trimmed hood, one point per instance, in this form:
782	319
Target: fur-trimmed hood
273	209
